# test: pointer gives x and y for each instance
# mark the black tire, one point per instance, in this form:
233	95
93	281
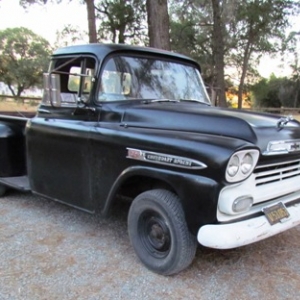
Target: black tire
2	190
159	234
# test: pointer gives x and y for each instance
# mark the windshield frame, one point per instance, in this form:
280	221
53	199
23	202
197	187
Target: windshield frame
163	59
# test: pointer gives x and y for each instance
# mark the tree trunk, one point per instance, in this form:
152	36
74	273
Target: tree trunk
20	90
11	89
296	93
91	21
213	95
218	51
246	58
247	54
122	29
158	24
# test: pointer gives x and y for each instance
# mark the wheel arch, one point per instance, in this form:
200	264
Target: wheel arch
198	194
147	178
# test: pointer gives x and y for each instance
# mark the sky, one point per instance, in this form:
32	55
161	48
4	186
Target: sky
46	20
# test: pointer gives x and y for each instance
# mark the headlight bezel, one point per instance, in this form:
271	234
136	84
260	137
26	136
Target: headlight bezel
247	160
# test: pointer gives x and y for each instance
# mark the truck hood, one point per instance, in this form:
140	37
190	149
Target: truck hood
257	128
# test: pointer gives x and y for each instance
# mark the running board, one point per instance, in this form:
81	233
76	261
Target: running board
20	183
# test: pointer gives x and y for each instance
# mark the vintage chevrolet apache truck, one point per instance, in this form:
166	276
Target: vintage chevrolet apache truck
120	122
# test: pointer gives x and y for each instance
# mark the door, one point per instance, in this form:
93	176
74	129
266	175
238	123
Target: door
58	150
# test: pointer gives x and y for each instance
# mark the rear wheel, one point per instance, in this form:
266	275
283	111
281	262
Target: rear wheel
159	233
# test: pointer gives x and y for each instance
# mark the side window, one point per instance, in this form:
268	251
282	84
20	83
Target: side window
74	80
74	77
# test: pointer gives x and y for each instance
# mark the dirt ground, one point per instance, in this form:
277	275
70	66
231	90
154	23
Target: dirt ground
50	251
15	106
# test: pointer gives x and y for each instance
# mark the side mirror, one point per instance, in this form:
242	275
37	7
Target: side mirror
51	94
81	83
126	84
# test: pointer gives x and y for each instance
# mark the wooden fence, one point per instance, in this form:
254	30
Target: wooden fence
276	110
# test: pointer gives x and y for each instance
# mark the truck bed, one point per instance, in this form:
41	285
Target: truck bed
13	146
17	118
20	183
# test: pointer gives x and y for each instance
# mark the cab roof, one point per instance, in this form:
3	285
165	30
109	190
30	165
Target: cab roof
102	50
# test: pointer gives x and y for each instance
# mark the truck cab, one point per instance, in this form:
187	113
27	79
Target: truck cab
122	122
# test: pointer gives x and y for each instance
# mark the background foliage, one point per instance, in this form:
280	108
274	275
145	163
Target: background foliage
24	56
227	37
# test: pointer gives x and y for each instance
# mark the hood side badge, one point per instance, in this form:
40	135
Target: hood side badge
282	147
283	121
165	159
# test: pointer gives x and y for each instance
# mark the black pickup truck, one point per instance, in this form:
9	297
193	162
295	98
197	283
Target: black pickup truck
119	122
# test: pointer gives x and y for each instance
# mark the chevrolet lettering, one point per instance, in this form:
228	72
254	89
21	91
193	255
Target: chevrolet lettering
164	159
118	122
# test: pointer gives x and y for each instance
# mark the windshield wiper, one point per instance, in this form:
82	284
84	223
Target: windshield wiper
146	101
194	100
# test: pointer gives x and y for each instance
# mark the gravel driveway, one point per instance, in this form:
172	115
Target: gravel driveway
50	251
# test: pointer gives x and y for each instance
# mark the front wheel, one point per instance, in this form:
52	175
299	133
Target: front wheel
159	233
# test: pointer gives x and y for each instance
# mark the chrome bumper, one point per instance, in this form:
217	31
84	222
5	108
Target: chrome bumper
233	235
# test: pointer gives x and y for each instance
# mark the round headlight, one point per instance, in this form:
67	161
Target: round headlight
246	163
233	166
241	165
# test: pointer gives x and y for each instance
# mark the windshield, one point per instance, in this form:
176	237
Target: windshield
125	77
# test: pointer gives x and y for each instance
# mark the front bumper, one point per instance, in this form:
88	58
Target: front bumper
233	235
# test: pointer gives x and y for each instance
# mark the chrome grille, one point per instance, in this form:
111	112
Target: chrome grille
266	174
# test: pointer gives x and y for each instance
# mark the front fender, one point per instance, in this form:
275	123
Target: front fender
198	194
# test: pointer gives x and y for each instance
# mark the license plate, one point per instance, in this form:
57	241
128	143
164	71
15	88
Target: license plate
276	213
